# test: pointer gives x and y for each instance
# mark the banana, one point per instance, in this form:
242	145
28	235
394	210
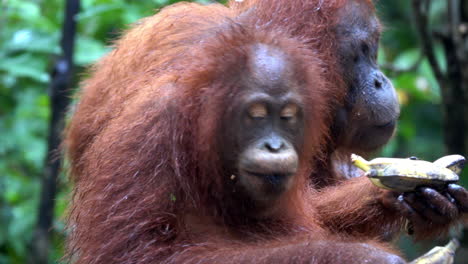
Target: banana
439	255
405	175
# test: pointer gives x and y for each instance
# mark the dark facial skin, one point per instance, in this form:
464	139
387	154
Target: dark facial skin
368	119
266	129
271	126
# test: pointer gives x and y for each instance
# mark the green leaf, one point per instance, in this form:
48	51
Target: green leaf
26	65
407	59
29	40
89	50
25	10
97	11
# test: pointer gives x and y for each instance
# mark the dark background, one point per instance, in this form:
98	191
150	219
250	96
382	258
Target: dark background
424	50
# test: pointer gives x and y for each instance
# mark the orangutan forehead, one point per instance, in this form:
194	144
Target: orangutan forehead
269	65
358	20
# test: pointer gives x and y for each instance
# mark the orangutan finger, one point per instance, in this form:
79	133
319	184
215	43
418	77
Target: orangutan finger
407	211
424	209
439	202
460	194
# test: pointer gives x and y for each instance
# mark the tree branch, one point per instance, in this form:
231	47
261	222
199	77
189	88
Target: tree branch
454	15
59	97
421	20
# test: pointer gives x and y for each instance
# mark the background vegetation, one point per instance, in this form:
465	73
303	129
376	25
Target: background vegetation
30	32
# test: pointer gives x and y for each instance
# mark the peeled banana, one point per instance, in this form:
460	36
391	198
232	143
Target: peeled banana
405	175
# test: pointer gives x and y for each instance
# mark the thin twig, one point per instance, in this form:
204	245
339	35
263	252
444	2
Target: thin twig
454	15
421	21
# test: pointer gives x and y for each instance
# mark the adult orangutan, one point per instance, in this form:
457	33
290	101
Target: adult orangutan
345	34
193	143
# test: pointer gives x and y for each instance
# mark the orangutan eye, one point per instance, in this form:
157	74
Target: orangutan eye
258	111
289	112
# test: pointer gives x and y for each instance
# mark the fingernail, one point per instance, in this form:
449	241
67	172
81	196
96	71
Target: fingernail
428	190
401	198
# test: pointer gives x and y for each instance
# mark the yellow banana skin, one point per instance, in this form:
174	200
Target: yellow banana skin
439	255
404	175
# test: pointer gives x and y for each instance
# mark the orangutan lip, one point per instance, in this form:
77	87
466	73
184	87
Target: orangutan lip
387	125
272	178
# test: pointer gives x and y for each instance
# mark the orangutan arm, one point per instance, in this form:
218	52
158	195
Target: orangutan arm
359	208
290	252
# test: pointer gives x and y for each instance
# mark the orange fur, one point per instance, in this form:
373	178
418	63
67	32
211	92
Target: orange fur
144	146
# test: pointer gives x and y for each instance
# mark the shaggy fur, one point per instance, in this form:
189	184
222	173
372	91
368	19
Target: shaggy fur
144	145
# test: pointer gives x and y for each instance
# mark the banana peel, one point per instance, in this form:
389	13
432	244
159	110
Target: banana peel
439	255
404	175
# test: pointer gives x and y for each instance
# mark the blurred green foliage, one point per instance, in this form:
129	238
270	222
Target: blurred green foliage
29	42
420	125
